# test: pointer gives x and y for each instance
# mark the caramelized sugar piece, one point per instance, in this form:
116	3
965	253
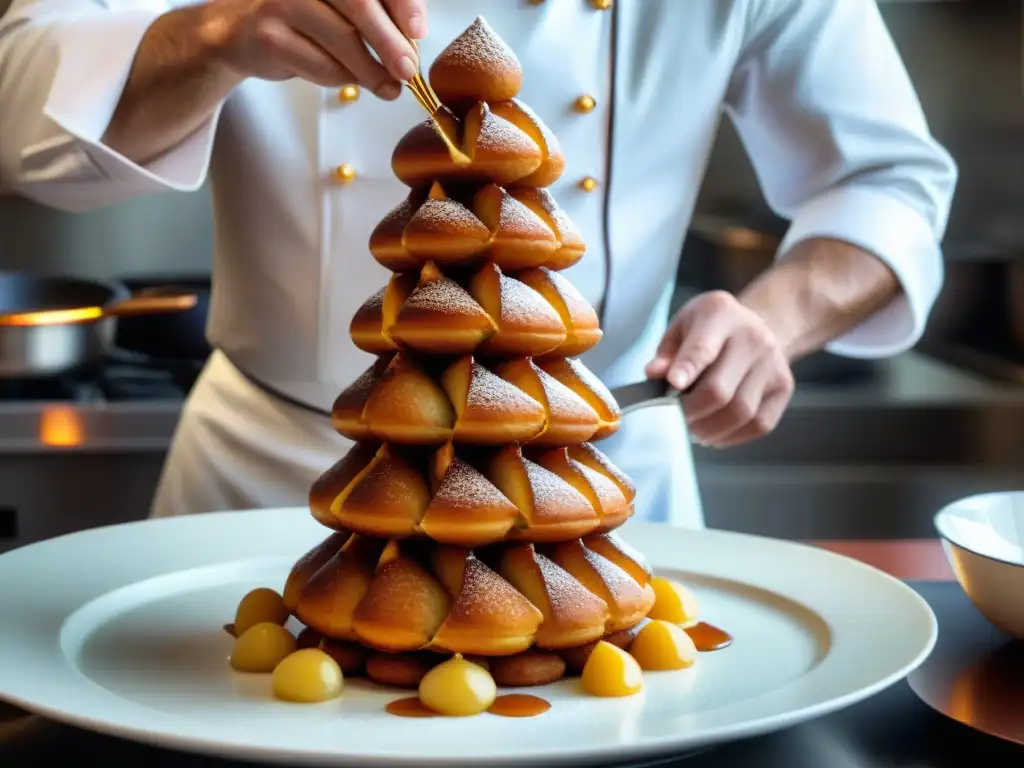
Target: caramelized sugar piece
571	372
347	412
329	599
308	564
476	66
488	616
572	614
489	410
550	508
387	499
335	480
600	491
466	509
527	325
386	240
408	407
445	231
569	419
404	606
583	330
593	458
571	245
525	119
628	601
371	323
613	548
519	239
440	317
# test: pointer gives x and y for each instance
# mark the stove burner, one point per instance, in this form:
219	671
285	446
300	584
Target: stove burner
123	376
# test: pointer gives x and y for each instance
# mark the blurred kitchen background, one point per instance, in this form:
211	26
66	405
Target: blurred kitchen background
867	449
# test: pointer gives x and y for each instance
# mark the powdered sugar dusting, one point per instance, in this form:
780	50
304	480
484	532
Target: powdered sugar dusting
519	219
563	403
488	390
443	297
447	217
466	489
487	596
567	597
594	384
479	48
554	499
523	306
375	303
498	135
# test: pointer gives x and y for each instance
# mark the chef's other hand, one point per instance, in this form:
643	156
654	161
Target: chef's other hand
323	41
740	377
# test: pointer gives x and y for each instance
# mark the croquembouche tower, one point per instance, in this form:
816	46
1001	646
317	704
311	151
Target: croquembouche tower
474	514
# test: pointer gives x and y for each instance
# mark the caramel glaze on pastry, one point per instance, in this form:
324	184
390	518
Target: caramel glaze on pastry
473	514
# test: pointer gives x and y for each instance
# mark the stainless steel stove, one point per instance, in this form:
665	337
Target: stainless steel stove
86	449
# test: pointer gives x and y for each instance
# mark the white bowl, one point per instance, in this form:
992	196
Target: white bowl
984	540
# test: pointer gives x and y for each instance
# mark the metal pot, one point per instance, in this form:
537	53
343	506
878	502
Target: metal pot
54	325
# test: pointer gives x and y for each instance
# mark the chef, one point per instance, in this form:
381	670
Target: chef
282	105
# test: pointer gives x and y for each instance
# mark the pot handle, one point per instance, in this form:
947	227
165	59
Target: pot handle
151	305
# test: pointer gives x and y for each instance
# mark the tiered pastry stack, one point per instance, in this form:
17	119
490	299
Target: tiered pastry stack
473	518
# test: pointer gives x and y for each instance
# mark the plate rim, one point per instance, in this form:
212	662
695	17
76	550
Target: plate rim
651	746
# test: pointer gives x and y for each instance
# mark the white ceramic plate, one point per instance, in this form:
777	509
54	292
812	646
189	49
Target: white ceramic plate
119	630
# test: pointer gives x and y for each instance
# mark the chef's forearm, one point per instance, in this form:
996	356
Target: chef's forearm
175	85
821	290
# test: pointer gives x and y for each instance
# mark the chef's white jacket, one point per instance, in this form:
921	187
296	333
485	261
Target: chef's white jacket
815	87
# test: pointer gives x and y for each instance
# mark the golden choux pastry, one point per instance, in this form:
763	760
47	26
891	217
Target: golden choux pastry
372	322
444	230
552	510
439	317
532	667
309	564
519	238
568	419
552	163
571	372
613	548
602	493
407	406
480	148
526	324
400	670
387	241
593	458
476	66
347	411
583	330
331	483
388	498
489	410
571	245
576	658
466	509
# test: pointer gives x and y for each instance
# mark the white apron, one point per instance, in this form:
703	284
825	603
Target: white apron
238	447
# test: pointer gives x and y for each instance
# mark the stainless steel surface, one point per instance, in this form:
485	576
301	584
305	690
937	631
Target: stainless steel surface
872	460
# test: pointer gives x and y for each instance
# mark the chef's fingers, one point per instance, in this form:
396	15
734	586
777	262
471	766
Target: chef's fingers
739	412
658	367
372	22
410	16
716	389
298	54
703	341
767	419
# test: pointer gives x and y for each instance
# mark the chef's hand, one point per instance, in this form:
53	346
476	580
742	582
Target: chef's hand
740	377
323	41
